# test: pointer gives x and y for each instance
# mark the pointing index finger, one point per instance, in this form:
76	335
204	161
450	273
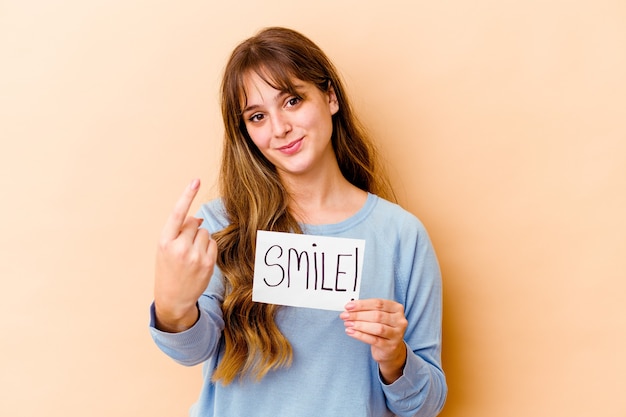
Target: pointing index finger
181	209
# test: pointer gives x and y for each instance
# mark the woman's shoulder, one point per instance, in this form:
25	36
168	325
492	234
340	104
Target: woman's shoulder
214	215
395	213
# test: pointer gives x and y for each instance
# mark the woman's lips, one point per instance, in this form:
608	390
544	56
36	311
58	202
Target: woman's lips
291	147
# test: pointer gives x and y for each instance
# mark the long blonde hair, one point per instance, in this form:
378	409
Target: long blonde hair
255	199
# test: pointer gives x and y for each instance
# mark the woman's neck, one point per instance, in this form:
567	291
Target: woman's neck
325	200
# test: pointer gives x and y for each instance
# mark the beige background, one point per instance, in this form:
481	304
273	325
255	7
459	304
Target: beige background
504	123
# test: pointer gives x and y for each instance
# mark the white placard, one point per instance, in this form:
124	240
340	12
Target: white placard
306	270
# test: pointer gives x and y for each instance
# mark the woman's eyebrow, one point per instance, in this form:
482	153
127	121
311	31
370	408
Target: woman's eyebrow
277	97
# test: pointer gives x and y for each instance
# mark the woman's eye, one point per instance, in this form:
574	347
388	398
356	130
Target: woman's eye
293	101
256	117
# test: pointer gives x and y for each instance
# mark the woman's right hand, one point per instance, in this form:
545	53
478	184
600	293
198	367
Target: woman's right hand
185	260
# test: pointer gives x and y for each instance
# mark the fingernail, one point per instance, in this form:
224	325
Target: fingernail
194	184
344	315
350	305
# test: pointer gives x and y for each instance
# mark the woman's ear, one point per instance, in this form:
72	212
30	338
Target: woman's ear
332	99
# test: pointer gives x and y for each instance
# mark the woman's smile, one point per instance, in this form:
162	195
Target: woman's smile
291	147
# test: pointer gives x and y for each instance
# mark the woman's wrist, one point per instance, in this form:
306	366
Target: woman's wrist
391	371
176	323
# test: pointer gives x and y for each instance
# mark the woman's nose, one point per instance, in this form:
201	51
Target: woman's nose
281	124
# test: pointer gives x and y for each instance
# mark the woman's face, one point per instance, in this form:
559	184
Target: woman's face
293	131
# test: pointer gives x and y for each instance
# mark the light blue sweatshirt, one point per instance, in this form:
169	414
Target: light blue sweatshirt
332	374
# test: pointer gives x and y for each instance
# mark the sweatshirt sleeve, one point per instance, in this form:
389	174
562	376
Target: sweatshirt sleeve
421	390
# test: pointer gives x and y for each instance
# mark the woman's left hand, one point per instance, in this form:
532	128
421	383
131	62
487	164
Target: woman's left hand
381	324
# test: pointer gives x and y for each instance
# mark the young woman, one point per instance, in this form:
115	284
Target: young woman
296	160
